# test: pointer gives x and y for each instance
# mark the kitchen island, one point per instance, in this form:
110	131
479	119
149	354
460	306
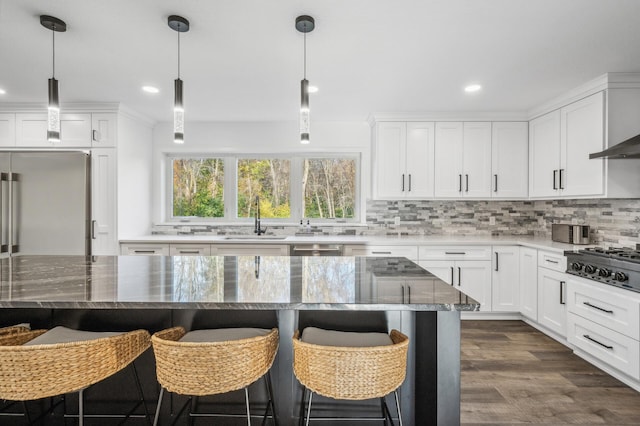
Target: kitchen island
347	293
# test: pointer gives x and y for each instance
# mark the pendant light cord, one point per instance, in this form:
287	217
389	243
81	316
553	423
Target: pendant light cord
178	51
53	50
305	54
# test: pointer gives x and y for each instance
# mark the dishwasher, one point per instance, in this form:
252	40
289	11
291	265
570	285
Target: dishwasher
316	249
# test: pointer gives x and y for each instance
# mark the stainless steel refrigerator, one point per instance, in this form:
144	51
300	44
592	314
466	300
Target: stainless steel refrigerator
45	203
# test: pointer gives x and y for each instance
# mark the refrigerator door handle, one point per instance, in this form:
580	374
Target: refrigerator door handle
13	213
4	229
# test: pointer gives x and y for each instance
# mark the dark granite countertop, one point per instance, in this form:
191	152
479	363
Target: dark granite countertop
224	282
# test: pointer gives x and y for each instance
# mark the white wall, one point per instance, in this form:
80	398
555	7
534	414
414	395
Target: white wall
134	176
259	138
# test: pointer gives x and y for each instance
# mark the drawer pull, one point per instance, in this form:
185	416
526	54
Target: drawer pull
597	307
551	261
188	251
380	252
586	336
455	252
144	251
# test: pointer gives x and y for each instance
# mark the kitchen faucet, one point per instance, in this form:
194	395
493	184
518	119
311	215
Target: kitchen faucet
257	229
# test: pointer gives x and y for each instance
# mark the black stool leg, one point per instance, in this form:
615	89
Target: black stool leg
271	404
26	411
304	396
155	419
141	393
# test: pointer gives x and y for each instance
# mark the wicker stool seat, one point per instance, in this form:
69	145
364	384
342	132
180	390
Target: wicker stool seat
39	364
216	361
350	366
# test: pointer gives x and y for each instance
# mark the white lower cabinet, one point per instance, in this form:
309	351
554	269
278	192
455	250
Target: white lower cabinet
529	283
401	290
472	277
410	252
505	289
190	250
249	250
552	300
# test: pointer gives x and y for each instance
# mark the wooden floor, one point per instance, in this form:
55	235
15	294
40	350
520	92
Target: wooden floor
512	373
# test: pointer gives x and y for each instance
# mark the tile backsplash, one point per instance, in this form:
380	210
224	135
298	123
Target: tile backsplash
612	221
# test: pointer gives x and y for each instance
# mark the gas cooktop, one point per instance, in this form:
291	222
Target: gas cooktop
619	267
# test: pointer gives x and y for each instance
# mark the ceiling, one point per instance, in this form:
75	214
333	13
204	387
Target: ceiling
242	59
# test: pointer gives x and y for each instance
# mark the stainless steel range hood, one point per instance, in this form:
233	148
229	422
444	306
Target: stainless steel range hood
627	149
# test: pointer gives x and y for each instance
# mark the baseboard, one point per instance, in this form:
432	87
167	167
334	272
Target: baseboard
608	369
490	315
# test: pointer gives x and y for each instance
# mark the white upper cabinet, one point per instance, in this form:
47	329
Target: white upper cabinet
75	130
463	160
7	129
403	160
559	146
509	159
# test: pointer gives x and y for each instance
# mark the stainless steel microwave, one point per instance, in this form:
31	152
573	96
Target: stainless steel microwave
571	234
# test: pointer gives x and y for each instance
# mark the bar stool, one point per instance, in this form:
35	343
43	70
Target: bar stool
39	364
350	366
214	361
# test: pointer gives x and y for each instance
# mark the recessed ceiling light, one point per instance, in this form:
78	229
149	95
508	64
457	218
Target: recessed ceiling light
472	88
2	91
312	89
150	89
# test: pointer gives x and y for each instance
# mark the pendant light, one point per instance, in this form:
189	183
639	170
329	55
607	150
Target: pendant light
180	25
305	24
53	107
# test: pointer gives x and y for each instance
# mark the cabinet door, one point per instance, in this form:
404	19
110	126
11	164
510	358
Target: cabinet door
419	160
75	130
7	129
551	300
104	239
476	160
419	291
505	288
448	160
544	155
529	282
104	129
442	269
582	134
474	279
390	290
390	159
509	159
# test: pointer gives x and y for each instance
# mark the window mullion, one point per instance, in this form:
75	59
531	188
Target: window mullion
231	189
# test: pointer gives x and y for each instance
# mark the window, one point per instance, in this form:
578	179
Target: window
329	188
198	187
267	179
290	188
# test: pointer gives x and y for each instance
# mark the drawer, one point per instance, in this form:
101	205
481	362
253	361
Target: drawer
608	306
145	249
454	253
190	249
249	250
619	351
554	261
410	252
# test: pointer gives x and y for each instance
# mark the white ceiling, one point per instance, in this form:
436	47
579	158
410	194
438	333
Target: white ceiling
242	59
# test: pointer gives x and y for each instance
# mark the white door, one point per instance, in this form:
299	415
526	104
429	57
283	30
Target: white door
419	160
7	129
544	155
509	159
582	134
474	279
551	300
529	282
390	159
448	160
505	289
104	239
476	162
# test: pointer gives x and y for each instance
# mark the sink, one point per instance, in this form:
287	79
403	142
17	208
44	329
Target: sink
255	237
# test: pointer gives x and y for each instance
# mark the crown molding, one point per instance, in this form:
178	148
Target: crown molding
446	116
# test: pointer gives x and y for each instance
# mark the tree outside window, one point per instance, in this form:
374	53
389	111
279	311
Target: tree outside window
329	188
198	187
268	179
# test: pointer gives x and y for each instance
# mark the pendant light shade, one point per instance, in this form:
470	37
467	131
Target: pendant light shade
53	106
180	25
305	24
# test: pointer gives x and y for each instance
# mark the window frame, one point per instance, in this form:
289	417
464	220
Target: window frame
230	187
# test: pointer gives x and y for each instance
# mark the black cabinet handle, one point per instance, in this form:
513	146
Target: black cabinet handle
466	177
403	182
597	307
551	261
586	336
452	275
555	173
562	302
495	183
402	290
496	253
561	173
455	252
459	183
409	182
409	292
459	276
